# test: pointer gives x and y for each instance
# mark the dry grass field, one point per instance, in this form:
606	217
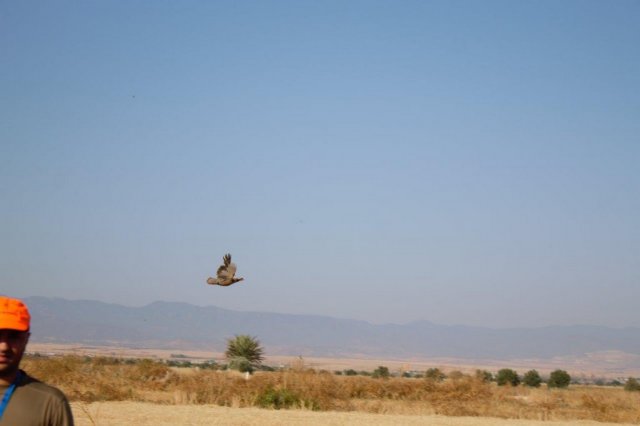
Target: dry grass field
103	390
149	414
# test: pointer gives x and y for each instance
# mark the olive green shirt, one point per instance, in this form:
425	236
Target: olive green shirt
35	404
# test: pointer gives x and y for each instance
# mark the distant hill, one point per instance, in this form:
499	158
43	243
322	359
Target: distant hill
181	325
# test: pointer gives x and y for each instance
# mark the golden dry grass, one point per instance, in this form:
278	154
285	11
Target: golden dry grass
90	380
149	414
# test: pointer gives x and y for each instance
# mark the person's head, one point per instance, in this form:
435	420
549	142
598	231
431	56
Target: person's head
14	335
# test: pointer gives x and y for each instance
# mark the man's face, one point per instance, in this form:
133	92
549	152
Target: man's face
12	345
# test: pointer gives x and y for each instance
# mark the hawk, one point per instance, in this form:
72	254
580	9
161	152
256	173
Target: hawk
226	273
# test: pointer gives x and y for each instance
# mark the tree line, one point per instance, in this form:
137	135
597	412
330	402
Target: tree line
246	354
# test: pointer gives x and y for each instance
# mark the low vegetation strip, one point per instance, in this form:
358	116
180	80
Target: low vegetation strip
86	380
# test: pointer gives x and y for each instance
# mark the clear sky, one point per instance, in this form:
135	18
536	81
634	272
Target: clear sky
463	162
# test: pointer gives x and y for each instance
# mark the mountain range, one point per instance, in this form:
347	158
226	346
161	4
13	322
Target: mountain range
170	325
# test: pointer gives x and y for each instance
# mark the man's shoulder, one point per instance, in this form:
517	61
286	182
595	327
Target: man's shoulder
37	387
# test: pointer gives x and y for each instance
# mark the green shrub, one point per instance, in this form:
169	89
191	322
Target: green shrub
507	376
484	376
381	372
632	385
179	364
209	365
434	374
266	368
559	379
532	379
277	398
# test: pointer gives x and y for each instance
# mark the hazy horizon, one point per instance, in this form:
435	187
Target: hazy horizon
457	162
373	322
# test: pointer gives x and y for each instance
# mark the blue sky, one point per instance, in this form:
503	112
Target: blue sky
462	162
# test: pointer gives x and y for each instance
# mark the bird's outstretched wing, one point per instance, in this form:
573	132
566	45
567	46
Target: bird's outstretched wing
227	270
225	275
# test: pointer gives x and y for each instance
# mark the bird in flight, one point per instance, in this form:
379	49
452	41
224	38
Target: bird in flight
226	273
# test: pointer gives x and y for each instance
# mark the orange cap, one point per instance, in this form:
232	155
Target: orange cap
14	314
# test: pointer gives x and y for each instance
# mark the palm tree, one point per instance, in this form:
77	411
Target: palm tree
244	352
